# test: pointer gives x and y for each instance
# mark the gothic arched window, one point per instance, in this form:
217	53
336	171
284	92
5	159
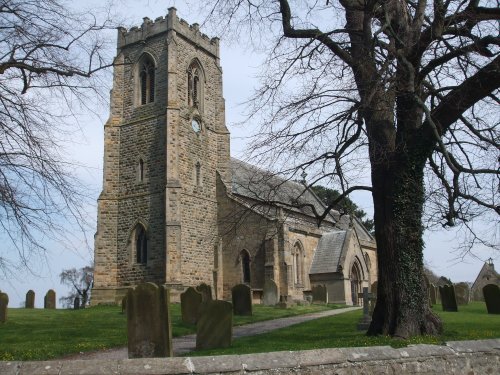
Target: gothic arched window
245	266
141	244
195	88
298	263
147	80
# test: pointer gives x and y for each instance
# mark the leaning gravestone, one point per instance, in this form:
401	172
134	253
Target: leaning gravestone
448	300
462	293
438	295
270	293
432	290
148	321
428	287
49	302
190	305
242	299
491	293
30	299
4	302
215	326
319	294
206	292
124	304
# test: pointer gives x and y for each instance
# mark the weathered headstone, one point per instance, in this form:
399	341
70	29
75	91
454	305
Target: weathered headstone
190	305
491	293
242	299
4	302
462	293
76	303
206	292
365	321
30	299
319	294
215	326
124	304
148	321
448	300
270	293
49	302
438	295
432	290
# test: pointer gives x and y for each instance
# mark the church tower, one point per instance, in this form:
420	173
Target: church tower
165	142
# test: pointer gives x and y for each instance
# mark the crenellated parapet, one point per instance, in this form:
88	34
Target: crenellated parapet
161	25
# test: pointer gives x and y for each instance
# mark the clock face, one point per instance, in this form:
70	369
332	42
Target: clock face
196	125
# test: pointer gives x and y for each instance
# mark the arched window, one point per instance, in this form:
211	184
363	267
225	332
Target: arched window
195	85
141	244
245	266
147	80
298	264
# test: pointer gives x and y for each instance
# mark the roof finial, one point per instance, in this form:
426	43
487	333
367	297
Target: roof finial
303	175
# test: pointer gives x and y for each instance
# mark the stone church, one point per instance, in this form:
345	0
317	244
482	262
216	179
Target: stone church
176	209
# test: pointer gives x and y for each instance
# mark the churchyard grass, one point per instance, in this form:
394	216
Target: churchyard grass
471	323
37	334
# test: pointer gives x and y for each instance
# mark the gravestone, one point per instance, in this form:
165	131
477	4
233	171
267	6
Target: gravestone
242	299
30	299
462	293
319	294
206	292
215	326
49	302
438	295
190	305
448	300
124	304
491	293
365	321
4	302
148	321
76	303
270	293
432	290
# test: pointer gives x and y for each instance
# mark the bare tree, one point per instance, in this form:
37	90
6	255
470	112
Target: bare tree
49	57
81	283
405	90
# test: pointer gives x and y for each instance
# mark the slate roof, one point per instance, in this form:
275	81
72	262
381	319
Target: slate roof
257	184
329	252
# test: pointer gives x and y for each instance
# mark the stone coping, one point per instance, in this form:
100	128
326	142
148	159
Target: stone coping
306	361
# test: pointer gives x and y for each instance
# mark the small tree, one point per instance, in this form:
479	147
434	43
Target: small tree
81	283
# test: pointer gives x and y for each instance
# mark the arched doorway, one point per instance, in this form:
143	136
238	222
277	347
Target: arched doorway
355	283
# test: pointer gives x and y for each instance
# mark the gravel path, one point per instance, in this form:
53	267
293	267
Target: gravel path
185	344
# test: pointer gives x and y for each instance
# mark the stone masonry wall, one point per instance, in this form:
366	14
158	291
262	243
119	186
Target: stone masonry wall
456	358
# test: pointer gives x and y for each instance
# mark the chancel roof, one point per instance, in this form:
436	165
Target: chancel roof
259	185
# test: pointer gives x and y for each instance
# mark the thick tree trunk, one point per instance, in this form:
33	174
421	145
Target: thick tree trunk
402	308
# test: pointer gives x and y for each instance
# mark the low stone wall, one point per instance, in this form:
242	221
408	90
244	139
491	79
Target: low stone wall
457	357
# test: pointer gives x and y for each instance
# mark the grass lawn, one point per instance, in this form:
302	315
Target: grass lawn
470	323
36	334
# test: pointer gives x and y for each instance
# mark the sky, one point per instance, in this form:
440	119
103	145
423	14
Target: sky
240	68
